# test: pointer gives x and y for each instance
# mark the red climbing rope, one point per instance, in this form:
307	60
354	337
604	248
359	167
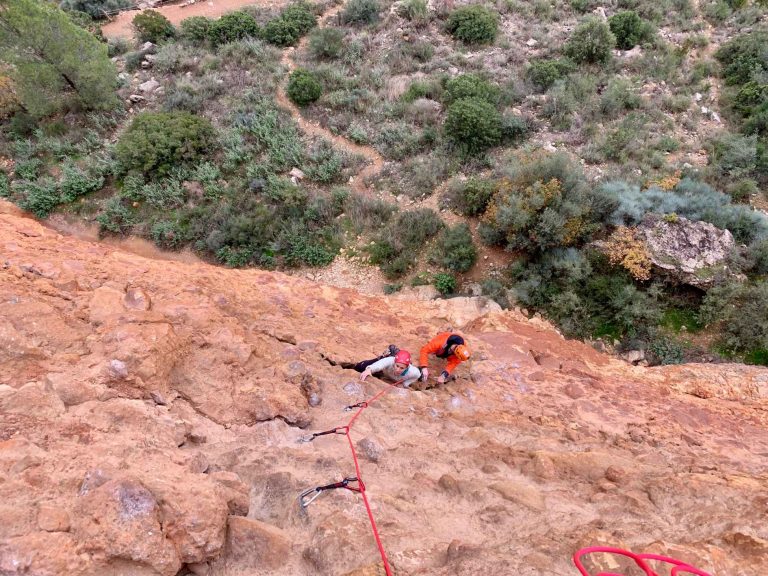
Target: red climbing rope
678	567
305	498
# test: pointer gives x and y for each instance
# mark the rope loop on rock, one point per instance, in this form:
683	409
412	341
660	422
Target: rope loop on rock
678	567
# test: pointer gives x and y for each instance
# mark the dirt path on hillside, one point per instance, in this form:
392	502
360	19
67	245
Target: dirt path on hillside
120	25
374	159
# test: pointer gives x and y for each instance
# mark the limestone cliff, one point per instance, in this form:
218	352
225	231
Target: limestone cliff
150	412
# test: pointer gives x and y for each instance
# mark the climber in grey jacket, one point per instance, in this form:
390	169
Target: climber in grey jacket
397	368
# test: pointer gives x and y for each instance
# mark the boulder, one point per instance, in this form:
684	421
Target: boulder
694	253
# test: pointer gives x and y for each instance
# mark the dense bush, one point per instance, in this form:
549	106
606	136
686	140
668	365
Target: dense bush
741	313
445	283
96	9
471	86
473	24
293	23
5	187
416	11
629	29
39	197
689	199
619	96
470	197
544	73
455	250
232	27
326	43
396	247
156	142
76	182
585	296
195	30
115	217
473	125
361	12
151	26
591	42
303	87
544	203
743	57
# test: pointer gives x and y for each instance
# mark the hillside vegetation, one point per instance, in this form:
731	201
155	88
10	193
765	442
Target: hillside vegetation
561	134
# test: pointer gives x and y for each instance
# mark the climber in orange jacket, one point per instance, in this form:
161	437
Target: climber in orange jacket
445	345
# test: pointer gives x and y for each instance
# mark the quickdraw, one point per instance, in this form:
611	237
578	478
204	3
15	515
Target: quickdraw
339	430
308	496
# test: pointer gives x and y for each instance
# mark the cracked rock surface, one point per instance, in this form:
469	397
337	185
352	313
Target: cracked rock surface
150	412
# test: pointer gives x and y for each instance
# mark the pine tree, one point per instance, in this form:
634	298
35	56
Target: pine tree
51	58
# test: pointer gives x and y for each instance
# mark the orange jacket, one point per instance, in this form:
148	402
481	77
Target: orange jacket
437	346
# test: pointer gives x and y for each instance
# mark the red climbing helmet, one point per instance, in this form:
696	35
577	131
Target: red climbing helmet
403	357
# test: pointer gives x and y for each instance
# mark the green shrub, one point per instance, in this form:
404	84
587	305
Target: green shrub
471	86
664	351
543	204
743	56
689	199
28	169
39	197
629	29
5	186
232	27
117	47
473	24
115	218
591	42
475	194
514	128
293	23
445	283
473	125
360	12
455	250
741	313
156	142
151	26
303	87
430	88
309	250
325	163
166	194
396	247
75	183
300	15
734	156
619	96
326	43
96	9
195	30
416	11
544	73
167	234
742	190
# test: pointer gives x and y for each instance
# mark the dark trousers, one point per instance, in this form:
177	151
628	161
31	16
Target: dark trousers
361	366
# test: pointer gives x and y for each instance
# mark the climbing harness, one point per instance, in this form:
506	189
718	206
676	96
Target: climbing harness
678	567
309	496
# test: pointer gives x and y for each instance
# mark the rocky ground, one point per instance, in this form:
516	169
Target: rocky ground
150	412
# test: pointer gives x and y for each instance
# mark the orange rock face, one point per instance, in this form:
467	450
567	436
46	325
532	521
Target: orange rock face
150	413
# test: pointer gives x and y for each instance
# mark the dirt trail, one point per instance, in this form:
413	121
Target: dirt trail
375	160
120	25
